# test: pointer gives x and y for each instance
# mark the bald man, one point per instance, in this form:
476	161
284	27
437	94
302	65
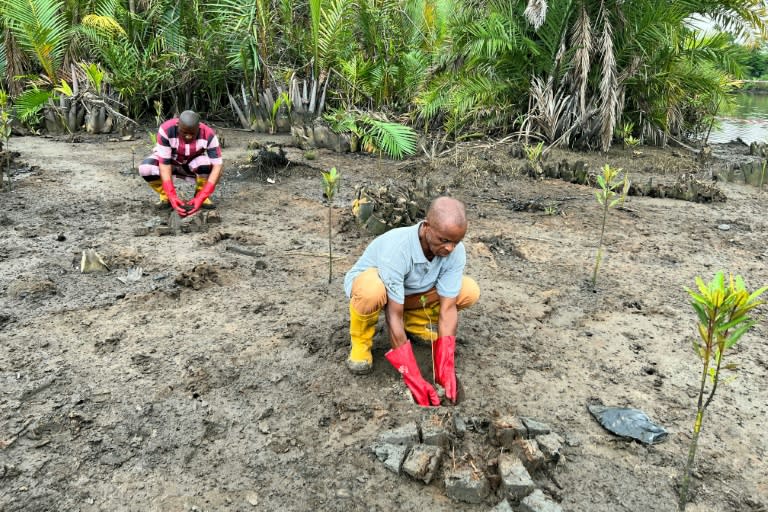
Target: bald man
186	149
416	275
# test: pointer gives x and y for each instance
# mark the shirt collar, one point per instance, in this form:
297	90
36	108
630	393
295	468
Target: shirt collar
418	252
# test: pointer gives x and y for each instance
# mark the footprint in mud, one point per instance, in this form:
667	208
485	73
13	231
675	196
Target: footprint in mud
198	277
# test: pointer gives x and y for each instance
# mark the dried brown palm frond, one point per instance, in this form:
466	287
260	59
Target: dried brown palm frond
608	86
16	63
581	40
548	108
536	13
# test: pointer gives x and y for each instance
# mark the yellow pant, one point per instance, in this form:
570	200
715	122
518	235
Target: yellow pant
369	294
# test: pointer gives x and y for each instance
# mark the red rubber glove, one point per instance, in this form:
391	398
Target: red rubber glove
173	199
197	202
404	362
443	350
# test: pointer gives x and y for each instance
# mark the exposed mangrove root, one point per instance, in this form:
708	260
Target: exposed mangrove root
382	208
685	187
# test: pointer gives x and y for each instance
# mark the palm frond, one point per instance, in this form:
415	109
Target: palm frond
29	103
394	139
40	29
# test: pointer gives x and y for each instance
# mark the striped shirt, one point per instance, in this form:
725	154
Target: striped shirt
172	149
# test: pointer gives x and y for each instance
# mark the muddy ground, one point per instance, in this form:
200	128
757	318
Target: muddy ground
216	381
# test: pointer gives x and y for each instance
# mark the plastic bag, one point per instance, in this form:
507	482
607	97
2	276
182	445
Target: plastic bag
627	422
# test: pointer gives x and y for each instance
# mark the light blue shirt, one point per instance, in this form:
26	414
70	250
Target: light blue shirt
404	269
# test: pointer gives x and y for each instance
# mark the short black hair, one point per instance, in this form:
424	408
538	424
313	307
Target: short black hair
189	118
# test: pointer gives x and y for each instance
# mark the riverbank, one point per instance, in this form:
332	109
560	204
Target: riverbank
213	378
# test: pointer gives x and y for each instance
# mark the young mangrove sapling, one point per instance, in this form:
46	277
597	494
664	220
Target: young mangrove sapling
722	309
331	181
608	197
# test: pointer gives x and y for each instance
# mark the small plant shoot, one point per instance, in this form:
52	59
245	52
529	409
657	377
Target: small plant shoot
613	191
534	155
331	180
721	307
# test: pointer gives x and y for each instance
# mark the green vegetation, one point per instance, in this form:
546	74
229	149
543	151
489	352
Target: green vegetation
564	73
5	137
722	309
608	196
331	181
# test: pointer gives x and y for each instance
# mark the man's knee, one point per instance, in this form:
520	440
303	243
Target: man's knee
469	294
368	292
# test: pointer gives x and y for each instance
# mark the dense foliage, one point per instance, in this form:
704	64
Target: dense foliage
569	72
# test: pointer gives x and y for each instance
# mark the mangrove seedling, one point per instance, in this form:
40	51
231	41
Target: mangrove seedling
331	181
534	155
282	99
722	309
608	196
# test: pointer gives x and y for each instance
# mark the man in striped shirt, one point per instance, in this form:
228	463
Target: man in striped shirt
187	149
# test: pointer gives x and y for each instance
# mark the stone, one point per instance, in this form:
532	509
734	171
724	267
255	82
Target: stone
392	455
467	485
515	480
551	446
422	462
459	425
535	428
505	430
434	429
405	435
538	502
503	506
528	451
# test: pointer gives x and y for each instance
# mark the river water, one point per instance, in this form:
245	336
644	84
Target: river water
747	120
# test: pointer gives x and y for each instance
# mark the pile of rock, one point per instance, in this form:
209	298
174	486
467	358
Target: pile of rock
478	460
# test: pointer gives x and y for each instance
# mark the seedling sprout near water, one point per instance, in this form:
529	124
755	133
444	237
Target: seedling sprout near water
608	197
331	181
722	311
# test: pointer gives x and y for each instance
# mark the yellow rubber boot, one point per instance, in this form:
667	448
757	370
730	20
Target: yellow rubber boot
157	186
199	184
361	331
421	324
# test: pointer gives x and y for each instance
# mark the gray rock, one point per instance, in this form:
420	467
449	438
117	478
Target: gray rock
503	506
550	445
422	462
466	485
407	434
515	480
537	502
535	428
392	455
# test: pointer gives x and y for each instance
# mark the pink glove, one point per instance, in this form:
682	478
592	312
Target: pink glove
404	362
173	199
443	350
197	202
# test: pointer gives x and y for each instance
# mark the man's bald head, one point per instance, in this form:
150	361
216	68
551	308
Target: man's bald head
189	119
447	212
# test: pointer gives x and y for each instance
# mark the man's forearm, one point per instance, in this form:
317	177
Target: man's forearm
215	174
393	313
448	321
166	172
